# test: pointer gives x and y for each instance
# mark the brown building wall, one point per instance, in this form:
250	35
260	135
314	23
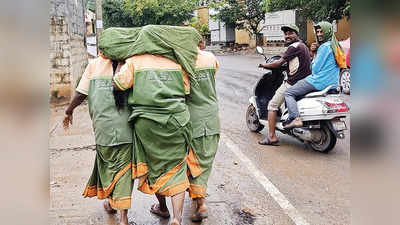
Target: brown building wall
203	14
310	33
242	37
344	29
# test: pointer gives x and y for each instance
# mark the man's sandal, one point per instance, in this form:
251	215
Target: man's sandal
266	141
155	209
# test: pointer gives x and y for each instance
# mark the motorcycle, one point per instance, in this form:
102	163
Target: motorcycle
323	113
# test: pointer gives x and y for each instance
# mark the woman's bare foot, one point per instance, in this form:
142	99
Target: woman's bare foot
174	221
124	217
108	208
201	210
125	222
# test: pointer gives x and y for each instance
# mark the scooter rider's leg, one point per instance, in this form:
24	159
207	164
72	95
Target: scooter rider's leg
291	104
271	125
271	139
273	107
301	88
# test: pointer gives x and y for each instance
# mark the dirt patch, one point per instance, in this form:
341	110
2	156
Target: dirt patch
245	216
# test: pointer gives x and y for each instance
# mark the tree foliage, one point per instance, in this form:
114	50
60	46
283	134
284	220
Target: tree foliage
133	13
240	14
166	12
316	10
115	14
347	9
201	28
203	2
255	13
90	5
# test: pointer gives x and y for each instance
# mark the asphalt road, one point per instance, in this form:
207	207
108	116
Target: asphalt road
249	184
316	184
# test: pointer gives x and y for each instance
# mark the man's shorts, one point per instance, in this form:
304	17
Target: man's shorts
279	97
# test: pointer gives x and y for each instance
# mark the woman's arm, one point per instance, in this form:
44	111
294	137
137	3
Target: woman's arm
77	100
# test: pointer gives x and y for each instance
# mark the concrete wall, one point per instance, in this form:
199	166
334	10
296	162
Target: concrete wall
68	54
220	33
274	21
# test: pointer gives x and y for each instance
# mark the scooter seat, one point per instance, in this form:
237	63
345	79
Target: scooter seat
331	89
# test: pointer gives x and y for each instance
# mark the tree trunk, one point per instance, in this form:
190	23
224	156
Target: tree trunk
260	39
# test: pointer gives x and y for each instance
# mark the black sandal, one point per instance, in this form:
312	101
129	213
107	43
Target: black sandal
266	141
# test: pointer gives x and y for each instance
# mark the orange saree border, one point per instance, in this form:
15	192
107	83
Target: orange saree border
193	163
102	193
120	203
175	188
161	181
139	170
197	191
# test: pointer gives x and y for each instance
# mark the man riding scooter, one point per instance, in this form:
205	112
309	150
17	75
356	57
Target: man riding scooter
298	57
325	71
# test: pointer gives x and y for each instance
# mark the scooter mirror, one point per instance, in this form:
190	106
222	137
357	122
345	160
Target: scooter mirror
260	50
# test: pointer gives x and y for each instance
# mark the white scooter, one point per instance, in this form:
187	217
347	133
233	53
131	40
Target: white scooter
323	113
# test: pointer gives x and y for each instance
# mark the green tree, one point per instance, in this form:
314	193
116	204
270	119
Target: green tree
90	5
347	9
201	28
203	2
316	10
163	12
134	13
246	14
115	14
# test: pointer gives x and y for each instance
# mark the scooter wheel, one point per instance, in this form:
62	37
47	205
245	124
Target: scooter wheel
344	81
252	120
326	143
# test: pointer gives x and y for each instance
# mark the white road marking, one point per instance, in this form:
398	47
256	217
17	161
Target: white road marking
283	202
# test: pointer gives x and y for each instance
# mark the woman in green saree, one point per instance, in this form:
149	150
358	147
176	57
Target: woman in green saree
112	173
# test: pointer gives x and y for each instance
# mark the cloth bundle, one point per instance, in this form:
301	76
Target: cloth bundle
174	42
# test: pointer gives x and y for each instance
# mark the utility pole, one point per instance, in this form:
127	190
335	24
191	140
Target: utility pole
99	22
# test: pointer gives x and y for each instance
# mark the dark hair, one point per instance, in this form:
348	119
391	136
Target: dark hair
286	29
294	31
119	96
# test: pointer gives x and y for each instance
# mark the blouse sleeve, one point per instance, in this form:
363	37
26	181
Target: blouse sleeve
124	78
84	82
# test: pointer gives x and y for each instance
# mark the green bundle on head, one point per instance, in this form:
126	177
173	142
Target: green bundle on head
116	43
174	42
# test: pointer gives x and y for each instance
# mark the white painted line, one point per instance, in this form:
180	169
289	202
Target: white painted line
288	208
